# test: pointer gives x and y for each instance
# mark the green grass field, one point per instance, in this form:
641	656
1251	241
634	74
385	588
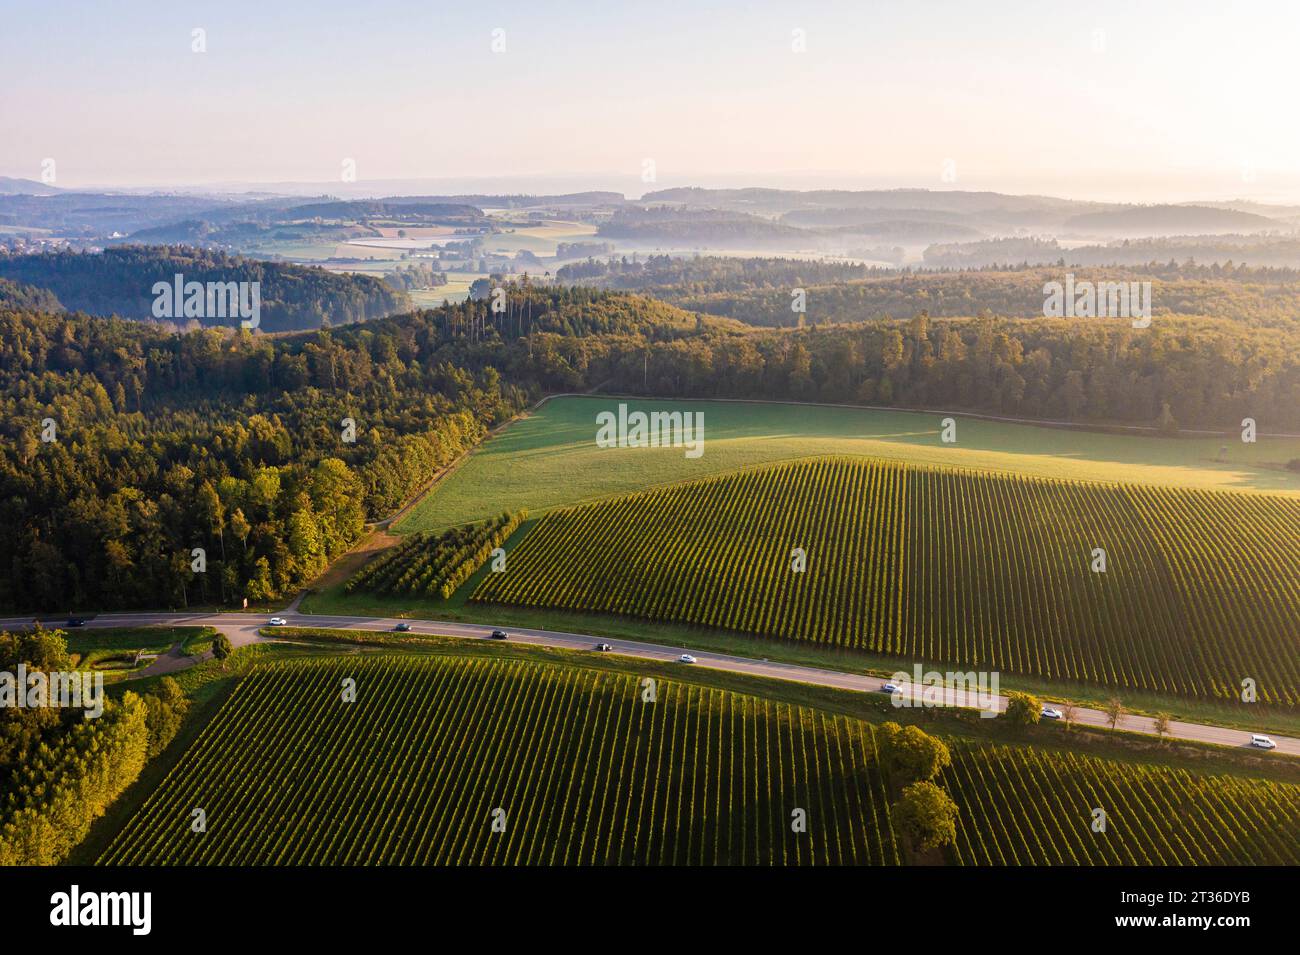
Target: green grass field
540	239
115	649
969	568
456	290
550	459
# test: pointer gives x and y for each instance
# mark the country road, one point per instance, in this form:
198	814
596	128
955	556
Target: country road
242	629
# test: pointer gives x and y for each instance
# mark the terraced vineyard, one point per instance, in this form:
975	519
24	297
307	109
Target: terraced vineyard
581	768
1024	806
1201	588
434	565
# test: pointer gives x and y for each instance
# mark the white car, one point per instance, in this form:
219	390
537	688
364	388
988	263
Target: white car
1049	713
1261	741
686	658
889	688
278	622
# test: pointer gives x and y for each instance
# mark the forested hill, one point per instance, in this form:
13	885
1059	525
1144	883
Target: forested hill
758	291
239	443
120	281
13	295
565	310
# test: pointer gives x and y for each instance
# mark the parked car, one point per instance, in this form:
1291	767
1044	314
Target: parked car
1262	742
278	622
604	647
403	628
686	658
499	635
1050	713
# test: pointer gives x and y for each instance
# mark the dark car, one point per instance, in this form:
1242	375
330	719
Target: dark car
604	647
498	635
403	628
76	622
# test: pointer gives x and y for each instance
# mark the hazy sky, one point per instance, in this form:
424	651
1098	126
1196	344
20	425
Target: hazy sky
1125	100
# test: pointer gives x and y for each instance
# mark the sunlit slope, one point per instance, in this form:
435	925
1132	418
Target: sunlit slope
550	458
1024	806
1198	591
469	761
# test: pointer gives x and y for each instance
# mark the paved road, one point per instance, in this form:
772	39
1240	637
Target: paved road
242	629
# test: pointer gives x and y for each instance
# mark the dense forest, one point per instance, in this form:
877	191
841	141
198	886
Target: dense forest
1252	250
13	295
680	277
1188	372
126	448
665	225
120	281
1180	372
759	291
205	234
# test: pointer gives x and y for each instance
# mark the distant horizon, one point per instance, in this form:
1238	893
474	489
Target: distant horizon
633	190
1120	102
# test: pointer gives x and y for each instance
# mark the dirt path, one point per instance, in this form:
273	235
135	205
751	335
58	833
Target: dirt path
173	661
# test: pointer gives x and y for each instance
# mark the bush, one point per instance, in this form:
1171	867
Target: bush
928	815
221	648
1023	709
911	754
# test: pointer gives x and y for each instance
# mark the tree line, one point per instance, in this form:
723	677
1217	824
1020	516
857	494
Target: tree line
762	291
120	281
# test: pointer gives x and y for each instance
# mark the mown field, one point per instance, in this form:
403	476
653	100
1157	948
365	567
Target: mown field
579	769
540	239
549	459
582	769
988	571
1023	806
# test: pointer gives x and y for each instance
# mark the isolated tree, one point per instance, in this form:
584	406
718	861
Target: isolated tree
1166	421
1023	709
239	524
912	754
1161	724
1114	711
1069	711
221	648
927	815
